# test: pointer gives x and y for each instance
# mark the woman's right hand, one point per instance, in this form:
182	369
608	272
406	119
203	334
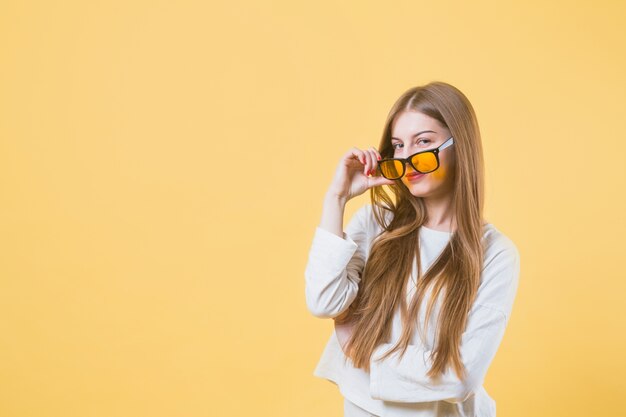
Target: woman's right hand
351	177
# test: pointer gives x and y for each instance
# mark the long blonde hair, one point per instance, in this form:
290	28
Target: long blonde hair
454	275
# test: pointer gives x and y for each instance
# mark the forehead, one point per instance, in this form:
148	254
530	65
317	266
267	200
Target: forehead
407	123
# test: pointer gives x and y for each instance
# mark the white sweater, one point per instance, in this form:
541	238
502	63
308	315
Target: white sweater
399	386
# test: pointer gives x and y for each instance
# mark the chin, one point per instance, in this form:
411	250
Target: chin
418	192
423	188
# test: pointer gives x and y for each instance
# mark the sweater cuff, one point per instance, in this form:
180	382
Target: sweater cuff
330	253
375	371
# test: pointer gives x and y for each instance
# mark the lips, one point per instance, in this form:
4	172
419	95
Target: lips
414	176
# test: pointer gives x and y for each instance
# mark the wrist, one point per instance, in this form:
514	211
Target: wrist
334	198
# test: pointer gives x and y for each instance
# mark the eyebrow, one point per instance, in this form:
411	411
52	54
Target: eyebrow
417	134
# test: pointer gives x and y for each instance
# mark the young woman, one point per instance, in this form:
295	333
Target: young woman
419	286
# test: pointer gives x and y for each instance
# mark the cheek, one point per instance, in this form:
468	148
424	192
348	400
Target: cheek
445	170
441	173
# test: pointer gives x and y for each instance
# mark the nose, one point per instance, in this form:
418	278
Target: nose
408	168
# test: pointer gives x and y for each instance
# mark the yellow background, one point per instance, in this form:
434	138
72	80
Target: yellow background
162	172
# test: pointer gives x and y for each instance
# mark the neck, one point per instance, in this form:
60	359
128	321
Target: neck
440	214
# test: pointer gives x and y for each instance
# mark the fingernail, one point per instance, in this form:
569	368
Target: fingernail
378	157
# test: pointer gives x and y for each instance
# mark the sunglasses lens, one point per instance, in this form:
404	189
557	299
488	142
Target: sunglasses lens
425	162
391	169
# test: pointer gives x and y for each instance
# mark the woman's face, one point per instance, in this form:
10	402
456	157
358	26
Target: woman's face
413	132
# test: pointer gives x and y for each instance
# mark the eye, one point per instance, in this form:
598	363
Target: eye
400	143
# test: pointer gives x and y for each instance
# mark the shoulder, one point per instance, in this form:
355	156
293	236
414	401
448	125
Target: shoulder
498	247
364	222
361	218
366	213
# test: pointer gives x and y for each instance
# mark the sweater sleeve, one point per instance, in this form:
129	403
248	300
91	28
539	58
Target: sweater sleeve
334	267
404	379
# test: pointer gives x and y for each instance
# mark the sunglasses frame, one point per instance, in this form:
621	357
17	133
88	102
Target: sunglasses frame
435	151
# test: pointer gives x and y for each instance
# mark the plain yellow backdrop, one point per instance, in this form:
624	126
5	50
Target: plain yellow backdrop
162	169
